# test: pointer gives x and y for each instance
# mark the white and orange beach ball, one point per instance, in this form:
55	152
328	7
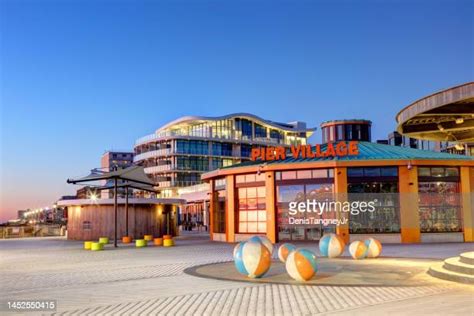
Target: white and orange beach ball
301	264
358	249
284	251
374	247
265	241
252	259
331	246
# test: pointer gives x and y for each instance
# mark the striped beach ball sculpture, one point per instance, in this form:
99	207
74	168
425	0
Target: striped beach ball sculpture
301	265
252	259
374	247
331	246
358	249
284	251
265	241
237	247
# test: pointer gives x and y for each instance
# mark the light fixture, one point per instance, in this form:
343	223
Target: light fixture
440	127
459	147
459	120
93	197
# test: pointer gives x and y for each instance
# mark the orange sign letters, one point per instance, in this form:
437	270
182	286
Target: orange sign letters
340	149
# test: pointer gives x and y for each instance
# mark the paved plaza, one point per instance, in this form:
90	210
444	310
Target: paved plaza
157	280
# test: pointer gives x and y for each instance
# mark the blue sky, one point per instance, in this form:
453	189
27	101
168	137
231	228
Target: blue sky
80	77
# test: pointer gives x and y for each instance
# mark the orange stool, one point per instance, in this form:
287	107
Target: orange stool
167	237
158	241
126	239
148	237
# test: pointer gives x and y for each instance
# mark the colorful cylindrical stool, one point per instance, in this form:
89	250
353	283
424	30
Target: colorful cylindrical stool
167	237
96	246
87	245
126	239
158	241
168	242
139	243
104	240
148	237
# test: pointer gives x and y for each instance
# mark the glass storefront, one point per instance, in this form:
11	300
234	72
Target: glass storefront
378	185
298	186
440	206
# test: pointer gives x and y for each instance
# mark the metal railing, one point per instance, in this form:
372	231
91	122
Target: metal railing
31	231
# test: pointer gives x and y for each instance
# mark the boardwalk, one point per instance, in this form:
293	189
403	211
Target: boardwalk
152	281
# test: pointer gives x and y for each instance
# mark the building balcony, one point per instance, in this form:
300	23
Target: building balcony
152	154
156	169
210	137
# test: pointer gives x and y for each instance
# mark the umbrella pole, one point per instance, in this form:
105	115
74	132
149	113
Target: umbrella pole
115	211
126	211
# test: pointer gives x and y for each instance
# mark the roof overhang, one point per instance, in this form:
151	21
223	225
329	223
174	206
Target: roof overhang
447	115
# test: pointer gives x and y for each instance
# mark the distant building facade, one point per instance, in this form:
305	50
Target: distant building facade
177	154
110	161
396	139
347	130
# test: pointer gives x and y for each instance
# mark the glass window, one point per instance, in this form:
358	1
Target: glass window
424	172
452	172
288	175
437	172
304	174
389	172
348	132
439	207
299	193
249	178
260	131
240	178
219	211
372	172
340	132
252	214
355	172
245	150
320	173
386	216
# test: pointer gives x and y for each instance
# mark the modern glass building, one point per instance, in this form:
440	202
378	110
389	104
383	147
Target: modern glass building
418	196
177	154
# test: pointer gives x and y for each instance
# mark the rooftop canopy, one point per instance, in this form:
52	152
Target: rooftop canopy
134	174
447	115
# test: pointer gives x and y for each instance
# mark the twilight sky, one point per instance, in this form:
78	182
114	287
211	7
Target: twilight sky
81	77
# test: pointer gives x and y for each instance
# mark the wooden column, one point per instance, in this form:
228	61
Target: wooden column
230	209
467	201
270	206
409	213
340	190
212	207
115	212
126	211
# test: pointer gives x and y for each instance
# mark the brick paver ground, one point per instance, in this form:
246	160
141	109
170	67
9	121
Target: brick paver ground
151	280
